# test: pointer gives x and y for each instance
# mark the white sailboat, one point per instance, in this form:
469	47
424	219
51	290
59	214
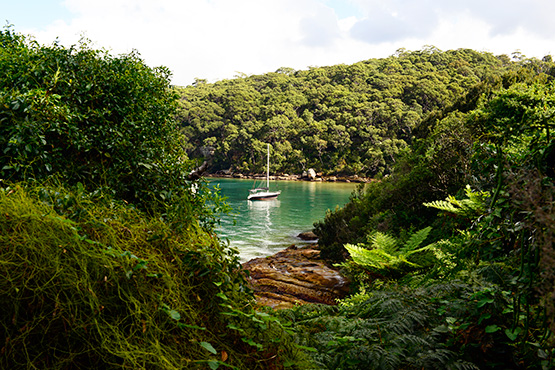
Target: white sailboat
264	193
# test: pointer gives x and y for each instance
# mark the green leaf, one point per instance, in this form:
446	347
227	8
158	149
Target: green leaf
207	346
492	328
146	165
512	334
234	327
253	343
174	315
416	239
222	296
141	265
214	364
441	329
485	301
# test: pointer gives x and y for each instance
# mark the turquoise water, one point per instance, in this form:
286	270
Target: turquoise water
261	228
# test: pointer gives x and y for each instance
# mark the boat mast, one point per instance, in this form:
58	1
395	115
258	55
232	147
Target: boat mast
268	168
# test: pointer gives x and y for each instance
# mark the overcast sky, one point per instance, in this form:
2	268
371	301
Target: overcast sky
220	39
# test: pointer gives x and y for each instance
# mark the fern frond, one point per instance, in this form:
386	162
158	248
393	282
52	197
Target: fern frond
416	239
477	199
424	257
473	205
443	205
368	257
383	241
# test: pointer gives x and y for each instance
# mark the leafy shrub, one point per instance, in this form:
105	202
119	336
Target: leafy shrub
450	325
87	117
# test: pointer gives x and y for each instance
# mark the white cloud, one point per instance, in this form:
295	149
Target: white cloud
215	39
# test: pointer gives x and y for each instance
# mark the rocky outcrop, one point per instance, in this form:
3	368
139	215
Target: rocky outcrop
295	276
308	236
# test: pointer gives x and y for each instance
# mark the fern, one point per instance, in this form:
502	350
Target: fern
416	239
383	241
473	206
368	257
379	261
426	256
397	328
383	258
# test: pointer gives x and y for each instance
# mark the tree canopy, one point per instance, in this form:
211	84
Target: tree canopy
342	119
86	116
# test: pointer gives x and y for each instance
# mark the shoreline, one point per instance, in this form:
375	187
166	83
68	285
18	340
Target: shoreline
287	177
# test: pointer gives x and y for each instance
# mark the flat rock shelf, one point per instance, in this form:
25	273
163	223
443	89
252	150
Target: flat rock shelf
294	276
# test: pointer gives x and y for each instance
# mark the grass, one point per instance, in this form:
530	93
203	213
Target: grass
88	282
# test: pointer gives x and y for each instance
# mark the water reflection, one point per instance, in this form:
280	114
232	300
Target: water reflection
261	228
260	212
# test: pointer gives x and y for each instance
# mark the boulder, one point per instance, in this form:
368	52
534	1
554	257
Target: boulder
295	276
311	174
307	235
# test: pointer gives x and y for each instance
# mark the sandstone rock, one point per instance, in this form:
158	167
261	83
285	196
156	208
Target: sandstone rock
311	174
295	276
307	235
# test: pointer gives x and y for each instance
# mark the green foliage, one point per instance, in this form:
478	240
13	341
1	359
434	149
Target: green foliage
495	238
445	325
89	282
474	205
108	253
434	167
344	119
87	117
384	260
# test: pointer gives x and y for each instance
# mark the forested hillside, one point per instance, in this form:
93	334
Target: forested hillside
109	256
343	119
451	254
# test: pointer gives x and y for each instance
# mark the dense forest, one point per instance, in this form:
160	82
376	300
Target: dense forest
451	250
340	120
109	256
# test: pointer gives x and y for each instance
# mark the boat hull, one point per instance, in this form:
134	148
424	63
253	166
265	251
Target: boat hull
264	196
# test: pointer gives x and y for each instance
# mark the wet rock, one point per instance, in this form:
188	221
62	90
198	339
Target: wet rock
295	276
307	235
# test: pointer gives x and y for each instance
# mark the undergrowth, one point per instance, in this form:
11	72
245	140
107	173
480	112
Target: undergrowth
441	326
90	282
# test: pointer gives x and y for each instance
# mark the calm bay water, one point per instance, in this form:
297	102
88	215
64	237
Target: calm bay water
261	228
